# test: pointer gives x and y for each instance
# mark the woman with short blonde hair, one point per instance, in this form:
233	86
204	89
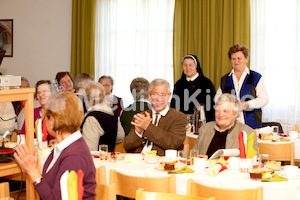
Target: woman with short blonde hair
63	114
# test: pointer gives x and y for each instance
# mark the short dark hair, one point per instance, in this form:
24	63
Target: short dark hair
236	48
60	75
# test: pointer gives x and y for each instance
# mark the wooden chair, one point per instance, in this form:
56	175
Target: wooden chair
278	151
197	189
4	190
120	147
189	141
101	175
127	185
106	192
280	130
142	195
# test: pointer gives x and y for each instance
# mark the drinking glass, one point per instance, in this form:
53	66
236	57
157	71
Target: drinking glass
182	157
263	158
103	150
193	154
275	131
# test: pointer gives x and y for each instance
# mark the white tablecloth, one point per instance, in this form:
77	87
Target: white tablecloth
227	179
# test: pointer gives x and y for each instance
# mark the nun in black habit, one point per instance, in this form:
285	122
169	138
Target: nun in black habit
193	89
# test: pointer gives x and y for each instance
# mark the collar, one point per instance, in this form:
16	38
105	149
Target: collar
230	127
101	107
163	112
193	78
247	71
68	141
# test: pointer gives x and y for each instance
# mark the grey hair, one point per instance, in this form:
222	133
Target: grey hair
229	98
158	82
82	80
95	93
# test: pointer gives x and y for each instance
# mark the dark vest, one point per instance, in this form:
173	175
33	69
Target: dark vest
248	92
109	124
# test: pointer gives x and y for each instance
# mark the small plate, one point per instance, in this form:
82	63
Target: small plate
165	170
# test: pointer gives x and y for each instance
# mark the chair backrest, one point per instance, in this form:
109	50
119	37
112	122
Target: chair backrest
120	147
197	189
280	130
278	151
127	185
101	175
189	142
105	192
143	195
4	190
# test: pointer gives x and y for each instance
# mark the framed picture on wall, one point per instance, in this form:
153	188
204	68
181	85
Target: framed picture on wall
6	36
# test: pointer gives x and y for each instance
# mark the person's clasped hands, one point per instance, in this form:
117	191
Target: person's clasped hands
141	121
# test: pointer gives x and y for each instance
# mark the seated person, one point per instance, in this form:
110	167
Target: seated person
7	117
116	102
160	128
69	153
138	88
44	91
223	133
65	81
81	81
100	124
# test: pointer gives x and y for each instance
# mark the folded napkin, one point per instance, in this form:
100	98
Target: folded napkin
266	129
72	185
250	150
80	187
64	186
274	178
281	139
242	145
182	170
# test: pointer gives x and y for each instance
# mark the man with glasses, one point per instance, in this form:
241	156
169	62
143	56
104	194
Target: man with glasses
161	127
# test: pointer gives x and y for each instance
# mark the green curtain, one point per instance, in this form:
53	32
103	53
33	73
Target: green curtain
83	36
207	29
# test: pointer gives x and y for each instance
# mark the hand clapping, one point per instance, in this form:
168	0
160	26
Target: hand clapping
141	121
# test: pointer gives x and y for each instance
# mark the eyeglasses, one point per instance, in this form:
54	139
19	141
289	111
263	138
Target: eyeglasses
162	95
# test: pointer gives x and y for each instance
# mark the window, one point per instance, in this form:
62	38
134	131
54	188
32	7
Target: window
134	38
275	53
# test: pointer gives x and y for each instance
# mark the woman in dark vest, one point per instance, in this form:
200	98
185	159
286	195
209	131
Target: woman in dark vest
193	89
246	85
100	124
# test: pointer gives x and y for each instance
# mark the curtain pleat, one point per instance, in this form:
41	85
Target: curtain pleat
207	29
83	36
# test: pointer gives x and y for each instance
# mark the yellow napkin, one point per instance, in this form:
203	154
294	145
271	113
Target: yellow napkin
72	185
274	178
182	170
250	151
281	139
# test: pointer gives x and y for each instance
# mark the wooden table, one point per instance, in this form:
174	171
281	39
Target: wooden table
26	95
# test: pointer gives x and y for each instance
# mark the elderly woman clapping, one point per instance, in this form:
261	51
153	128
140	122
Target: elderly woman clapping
63	114
223	133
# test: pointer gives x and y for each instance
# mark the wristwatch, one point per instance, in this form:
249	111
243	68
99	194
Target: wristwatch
37	181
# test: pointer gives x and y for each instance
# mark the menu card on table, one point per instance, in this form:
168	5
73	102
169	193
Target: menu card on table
225	152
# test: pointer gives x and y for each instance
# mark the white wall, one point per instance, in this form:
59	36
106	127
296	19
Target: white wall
41	38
